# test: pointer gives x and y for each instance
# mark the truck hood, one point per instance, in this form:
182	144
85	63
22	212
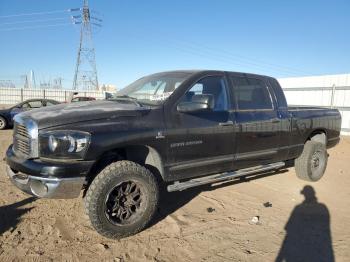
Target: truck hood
64	114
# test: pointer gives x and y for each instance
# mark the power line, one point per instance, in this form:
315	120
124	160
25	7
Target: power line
245	60
36	13
33	27
32	21
214	56
224	54
258	62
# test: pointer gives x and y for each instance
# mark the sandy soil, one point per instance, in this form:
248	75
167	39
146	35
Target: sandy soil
5	106
204	224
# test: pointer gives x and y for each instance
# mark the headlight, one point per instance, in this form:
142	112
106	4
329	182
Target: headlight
63	144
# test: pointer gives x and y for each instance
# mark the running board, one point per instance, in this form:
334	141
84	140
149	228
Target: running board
179	186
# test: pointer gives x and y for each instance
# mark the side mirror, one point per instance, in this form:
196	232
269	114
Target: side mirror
198	103
187	107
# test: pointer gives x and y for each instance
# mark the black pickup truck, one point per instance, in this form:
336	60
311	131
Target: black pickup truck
176	129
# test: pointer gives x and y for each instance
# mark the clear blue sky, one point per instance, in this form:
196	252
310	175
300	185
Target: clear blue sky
278	38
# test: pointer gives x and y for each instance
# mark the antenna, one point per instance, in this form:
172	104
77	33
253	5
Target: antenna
85	77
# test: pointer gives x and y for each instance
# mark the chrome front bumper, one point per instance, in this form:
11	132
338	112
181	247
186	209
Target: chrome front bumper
47	187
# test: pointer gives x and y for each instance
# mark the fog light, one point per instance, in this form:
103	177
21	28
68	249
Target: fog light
38	188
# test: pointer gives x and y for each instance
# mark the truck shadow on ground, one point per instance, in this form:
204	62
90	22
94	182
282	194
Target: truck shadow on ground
308	234
10	215
172	201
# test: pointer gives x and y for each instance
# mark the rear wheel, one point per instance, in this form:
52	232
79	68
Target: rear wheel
122	199
312	163
3	123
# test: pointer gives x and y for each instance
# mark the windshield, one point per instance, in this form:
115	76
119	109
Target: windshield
153	89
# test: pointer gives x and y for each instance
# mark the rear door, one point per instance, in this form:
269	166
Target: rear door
258	124
201	143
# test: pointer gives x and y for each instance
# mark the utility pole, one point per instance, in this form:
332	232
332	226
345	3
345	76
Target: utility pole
57	83
25	80
32	83
85	77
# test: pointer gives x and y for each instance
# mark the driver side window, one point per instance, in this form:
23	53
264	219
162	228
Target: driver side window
211	85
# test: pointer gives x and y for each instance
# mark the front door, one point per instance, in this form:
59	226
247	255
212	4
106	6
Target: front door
201	143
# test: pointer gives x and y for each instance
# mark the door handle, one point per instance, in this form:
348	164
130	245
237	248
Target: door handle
275	120
228	123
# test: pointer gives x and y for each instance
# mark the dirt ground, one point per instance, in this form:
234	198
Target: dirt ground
203	224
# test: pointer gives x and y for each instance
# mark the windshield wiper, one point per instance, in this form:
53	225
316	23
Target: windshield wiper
126	98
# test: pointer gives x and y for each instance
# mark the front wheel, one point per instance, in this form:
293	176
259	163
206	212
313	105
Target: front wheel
3	123
122	199
312	163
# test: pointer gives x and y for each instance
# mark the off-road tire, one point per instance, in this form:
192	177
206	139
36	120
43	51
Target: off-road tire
304	164
101	187
3	123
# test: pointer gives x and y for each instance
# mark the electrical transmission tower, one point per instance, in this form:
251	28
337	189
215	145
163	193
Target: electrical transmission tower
85	77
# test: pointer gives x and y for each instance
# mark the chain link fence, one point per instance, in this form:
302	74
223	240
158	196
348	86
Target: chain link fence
10	96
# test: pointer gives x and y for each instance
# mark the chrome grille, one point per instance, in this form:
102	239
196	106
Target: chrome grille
22	131
23	146
21	140
25	137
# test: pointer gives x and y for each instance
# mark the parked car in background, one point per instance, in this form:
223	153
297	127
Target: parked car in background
74	97
82	98
6	115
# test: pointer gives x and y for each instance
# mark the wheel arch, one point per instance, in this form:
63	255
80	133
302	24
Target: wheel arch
147	156
144	155
4	117
318	135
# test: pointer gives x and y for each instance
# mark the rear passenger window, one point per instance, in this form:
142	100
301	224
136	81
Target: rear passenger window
251	94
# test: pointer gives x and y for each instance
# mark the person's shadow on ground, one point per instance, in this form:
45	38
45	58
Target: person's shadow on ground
308	234
10	215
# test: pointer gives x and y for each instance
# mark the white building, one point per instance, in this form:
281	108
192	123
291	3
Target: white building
327	90
108	88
